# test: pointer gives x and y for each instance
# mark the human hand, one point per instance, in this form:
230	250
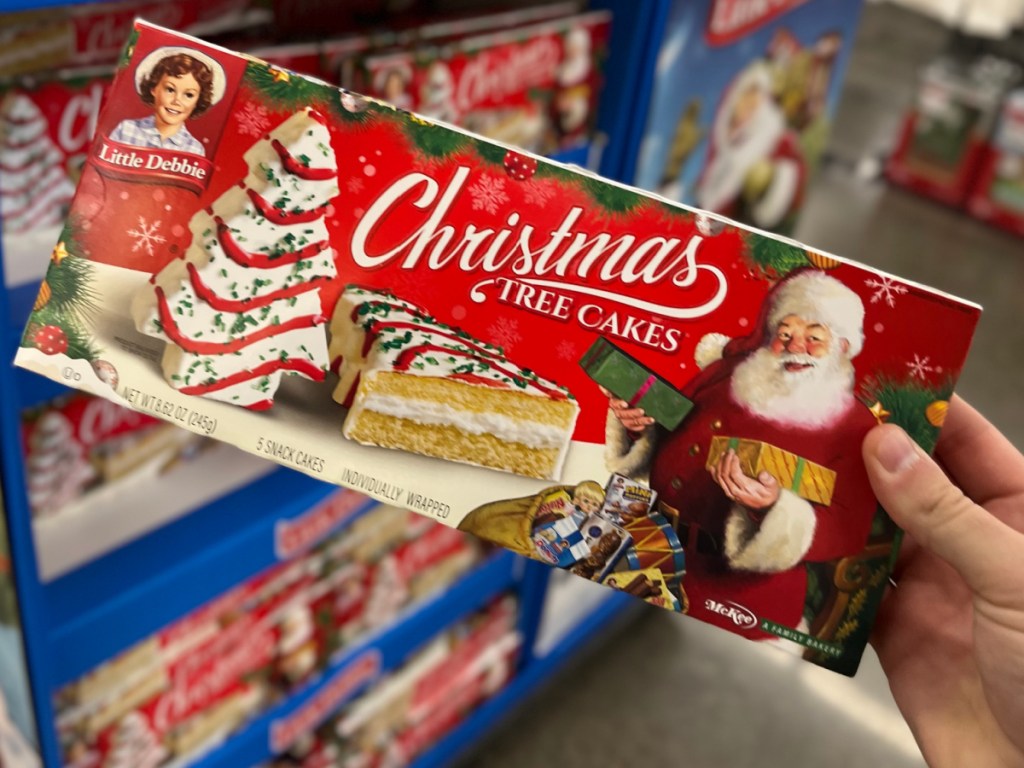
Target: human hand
634	420
950	636
756	494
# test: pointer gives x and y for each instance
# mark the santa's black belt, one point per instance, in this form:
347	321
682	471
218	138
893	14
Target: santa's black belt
696	539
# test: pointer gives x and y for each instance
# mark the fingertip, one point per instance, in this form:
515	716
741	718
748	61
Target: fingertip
889	450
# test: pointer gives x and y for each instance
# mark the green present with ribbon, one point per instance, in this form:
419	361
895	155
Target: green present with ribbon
628	379
804	478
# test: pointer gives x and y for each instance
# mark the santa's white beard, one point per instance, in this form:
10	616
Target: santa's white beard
813	397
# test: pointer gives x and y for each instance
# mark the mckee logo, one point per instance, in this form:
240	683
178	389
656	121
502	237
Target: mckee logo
736	613
732	19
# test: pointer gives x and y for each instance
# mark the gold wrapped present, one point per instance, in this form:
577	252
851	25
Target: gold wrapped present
804	478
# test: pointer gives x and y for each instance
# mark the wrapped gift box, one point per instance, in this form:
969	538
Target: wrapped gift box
804	478
627	379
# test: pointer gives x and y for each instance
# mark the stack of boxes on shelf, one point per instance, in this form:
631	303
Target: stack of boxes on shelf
419	703
962	143
175	694
78	443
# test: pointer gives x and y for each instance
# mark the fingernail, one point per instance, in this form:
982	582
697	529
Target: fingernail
896	452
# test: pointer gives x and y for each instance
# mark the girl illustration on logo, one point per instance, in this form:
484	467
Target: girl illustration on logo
179	84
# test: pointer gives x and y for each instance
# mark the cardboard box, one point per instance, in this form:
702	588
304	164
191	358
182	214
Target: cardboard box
399	307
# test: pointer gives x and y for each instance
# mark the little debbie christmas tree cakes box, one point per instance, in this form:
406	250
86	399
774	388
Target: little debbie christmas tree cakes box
396	306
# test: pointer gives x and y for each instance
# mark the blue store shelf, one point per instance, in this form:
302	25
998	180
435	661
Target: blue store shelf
384	652
106	606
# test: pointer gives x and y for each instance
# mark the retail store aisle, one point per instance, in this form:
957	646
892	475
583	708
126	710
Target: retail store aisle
670	692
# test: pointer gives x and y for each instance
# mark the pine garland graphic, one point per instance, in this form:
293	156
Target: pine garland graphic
432	140
286	88
129	48
775	258
71	286
72	300
906	402
610	197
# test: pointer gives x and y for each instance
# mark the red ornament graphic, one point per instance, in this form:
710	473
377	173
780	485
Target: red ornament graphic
519	167
51	340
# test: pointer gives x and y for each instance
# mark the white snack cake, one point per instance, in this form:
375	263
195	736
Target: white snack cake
242	307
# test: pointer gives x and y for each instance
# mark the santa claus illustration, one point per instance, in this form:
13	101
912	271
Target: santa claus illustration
789	384
755	171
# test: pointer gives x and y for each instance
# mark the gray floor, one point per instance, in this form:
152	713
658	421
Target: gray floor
667	691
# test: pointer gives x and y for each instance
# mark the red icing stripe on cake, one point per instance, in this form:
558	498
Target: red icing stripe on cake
296	168
233	345
204	292
383	324
245	258
407	356
281	216
295	364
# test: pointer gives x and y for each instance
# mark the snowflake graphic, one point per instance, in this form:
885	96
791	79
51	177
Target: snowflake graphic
253	119
488	193
538	194
354	185
885	289
920	367
565	350
505	332
146	236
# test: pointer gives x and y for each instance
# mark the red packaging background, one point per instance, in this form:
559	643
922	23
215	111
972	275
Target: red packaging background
916	327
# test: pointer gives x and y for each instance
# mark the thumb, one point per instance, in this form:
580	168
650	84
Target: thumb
915	491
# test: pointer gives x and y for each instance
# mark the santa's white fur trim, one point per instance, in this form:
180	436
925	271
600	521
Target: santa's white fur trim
778	199
817	297
779	543
709	349
623	454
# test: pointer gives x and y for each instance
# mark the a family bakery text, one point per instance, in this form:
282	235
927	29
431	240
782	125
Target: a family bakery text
382	489
290	454
195	420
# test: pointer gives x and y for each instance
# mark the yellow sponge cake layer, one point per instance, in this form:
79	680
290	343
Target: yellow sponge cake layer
477	400
449	442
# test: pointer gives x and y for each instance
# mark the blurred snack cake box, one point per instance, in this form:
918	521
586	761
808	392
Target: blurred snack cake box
399	307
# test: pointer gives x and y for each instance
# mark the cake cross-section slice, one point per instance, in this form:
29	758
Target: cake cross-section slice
428	388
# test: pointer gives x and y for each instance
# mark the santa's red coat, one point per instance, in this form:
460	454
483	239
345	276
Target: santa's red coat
679	476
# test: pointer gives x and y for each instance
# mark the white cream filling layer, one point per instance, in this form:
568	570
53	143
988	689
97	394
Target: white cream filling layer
529	433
